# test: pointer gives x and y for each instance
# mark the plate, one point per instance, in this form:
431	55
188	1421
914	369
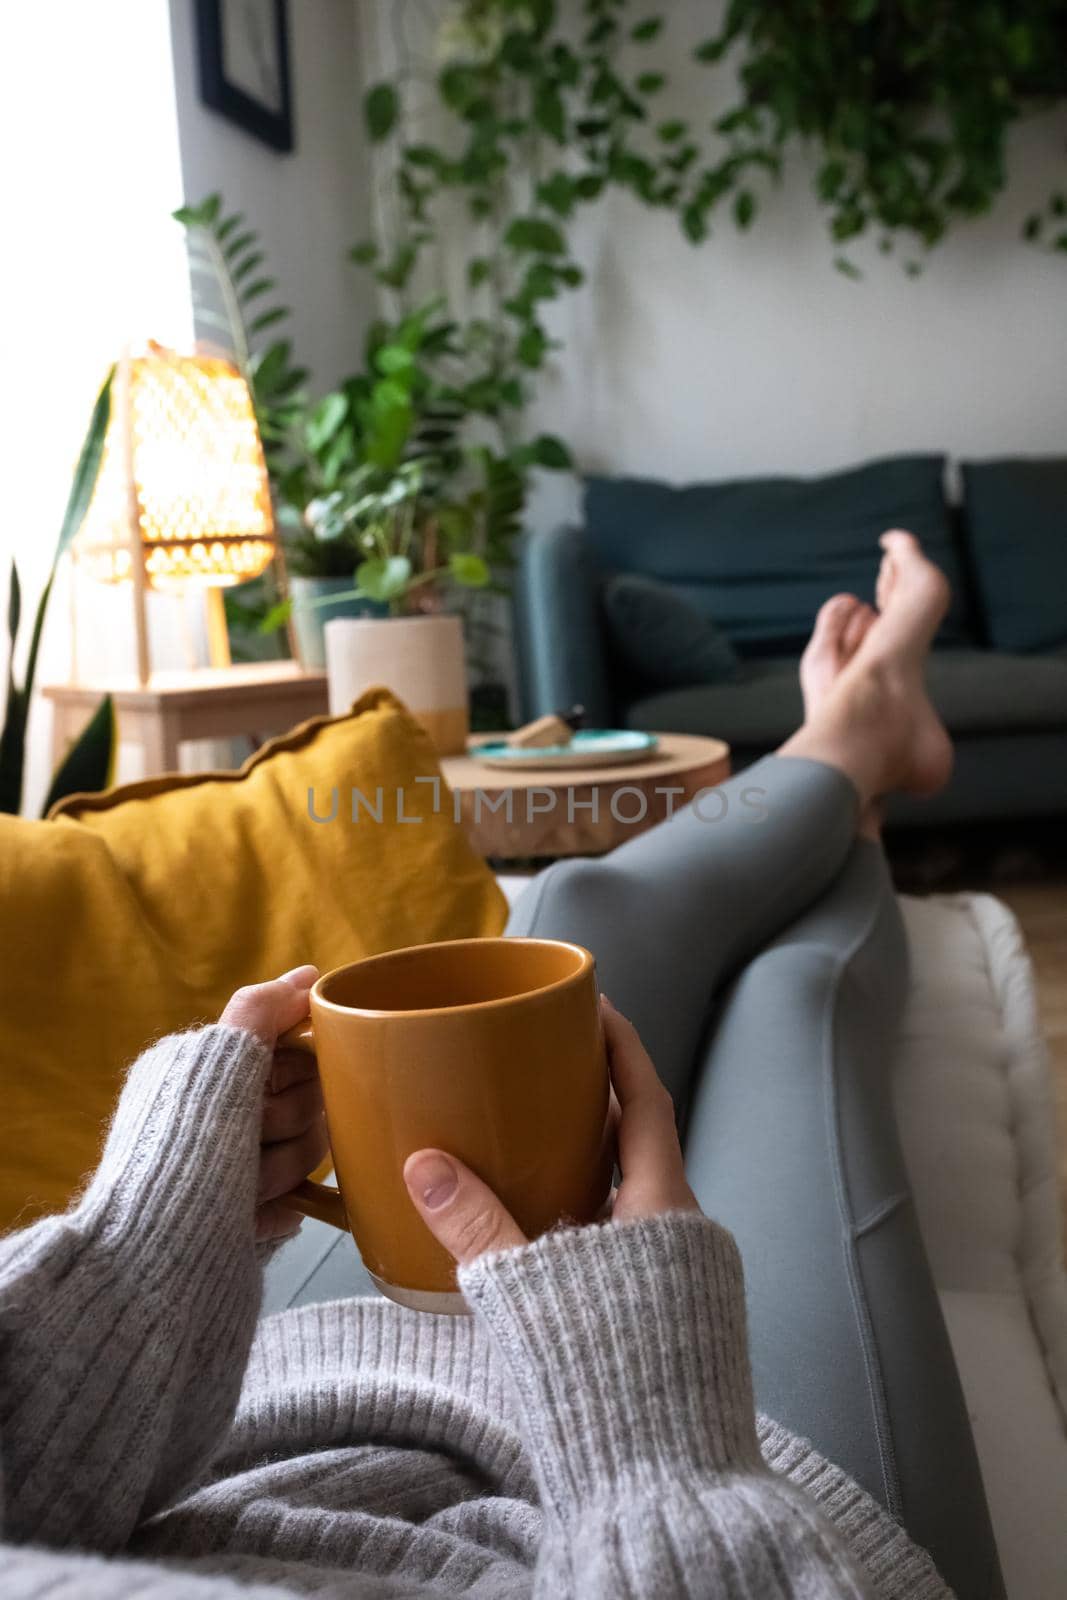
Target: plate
591	747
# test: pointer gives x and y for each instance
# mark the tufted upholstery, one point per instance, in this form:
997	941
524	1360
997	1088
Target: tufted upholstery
974	1104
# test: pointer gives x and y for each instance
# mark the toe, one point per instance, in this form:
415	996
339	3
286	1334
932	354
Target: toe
855	629
832	619
898	541
824	657
886	576
901	549
907	570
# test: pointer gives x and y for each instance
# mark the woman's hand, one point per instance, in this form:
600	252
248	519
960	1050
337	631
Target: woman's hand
293	1139
465	1215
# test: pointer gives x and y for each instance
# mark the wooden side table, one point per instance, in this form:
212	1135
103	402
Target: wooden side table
584	811
265	698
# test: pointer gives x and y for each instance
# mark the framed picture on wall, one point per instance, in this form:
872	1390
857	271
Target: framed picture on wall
243	48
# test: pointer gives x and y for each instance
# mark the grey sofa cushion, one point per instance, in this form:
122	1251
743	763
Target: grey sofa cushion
756	712
978	692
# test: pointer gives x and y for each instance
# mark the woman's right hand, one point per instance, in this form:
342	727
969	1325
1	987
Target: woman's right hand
464	1214
649	1154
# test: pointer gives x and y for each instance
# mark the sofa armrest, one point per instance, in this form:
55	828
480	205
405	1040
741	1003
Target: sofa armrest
558	628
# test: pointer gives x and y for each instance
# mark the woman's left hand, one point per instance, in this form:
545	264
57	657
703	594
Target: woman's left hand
293	1138
466	1216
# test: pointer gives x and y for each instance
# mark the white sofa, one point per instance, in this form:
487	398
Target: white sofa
974	1103
975	1108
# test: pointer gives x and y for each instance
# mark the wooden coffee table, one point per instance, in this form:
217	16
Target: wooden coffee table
526	814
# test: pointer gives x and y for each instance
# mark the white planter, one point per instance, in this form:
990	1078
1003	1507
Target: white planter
420	659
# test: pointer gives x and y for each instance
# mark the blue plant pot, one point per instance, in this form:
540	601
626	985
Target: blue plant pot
310	620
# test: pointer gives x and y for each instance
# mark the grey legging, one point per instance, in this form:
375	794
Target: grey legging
759	952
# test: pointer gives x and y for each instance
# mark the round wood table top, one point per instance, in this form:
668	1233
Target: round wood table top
579	810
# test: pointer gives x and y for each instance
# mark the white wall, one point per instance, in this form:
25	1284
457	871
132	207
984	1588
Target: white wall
91	262
309	206
751	354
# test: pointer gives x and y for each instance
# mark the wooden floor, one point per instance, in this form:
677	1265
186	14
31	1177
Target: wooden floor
1026	867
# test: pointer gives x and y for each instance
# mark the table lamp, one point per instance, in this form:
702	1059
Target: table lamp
182	499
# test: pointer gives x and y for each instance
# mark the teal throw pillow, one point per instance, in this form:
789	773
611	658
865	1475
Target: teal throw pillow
1016	512
662	639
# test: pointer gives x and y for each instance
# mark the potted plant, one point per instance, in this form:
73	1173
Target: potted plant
385	489
320	588
418	515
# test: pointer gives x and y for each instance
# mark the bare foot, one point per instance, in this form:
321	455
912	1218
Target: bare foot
863	682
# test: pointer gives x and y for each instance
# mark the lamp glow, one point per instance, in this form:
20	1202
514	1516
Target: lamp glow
183	460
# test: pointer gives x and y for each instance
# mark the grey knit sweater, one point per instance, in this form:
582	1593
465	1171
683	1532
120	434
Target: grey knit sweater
588	1432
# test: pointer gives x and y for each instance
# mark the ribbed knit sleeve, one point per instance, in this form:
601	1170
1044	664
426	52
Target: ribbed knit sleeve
627	1349
27	1574
125	1323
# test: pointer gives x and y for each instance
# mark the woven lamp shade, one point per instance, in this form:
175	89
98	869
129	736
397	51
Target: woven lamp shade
183	485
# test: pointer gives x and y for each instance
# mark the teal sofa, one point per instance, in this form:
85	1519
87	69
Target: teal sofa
759	556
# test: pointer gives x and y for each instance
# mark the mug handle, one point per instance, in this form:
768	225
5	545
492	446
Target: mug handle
312	1199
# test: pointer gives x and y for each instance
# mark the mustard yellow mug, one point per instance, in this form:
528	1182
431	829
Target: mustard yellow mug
489	1049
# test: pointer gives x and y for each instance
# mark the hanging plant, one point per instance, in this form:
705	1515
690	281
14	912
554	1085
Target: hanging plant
539	122
906	105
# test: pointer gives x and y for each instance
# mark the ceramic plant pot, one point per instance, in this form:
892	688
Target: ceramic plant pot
420	659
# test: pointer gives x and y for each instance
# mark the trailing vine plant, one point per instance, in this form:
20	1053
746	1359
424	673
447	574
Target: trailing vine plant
539	121
906	105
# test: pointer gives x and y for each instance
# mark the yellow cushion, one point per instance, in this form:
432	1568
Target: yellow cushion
130	914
